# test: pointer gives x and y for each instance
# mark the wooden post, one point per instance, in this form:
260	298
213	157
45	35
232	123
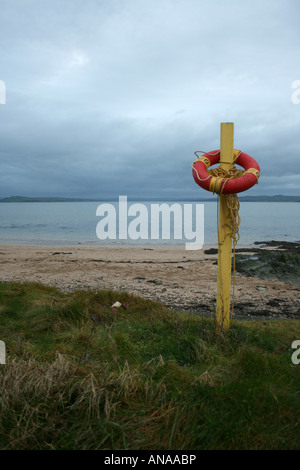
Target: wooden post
224	235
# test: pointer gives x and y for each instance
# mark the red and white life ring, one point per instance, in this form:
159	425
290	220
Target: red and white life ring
227	186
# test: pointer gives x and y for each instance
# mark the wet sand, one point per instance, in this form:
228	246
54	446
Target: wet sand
180	279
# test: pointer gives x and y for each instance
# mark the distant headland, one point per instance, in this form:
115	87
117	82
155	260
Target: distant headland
276	198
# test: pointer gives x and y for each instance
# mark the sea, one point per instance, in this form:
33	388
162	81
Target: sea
75	223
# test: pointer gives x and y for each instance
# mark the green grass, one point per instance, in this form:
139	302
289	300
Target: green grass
142	377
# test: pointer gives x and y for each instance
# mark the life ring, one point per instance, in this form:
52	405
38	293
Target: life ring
226	186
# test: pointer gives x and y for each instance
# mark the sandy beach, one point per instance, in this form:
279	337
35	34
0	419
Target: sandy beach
180	279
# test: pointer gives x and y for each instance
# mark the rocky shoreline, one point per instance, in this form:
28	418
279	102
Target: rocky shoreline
268	260
272	260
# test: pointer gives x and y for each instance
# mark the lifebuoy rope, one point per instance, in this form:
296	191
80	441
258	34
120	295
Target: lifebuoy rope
218	175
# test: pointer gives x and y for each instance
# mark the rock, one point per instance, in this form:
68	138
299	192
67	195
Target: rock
211	251
281	260
274	303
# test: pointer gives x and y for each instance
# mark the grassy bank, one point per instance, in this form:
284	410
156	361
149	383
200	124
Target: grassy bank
80	376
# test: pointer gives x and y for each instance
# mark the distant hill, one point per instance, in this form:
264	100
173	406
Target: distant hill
277	198
42	199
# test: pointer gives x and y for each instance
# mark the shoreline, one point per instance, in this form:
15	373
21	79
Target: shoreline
148	246
180	279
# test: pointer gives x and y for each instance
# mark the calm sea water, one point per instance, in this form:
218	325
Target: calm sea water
74	223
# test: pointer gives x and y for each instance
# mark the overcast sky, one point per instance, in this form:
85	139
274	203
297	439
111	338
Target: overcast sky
112	97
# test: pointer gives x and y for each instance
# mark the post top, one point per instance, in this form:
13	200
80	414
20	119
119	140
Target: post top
226	153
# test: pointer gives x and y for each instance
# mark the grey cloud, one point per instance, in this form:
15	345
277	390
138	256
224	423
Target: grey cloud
108	98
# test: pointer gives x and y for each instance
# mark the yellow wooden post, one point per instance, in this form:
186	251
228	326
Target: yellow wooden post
224	235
